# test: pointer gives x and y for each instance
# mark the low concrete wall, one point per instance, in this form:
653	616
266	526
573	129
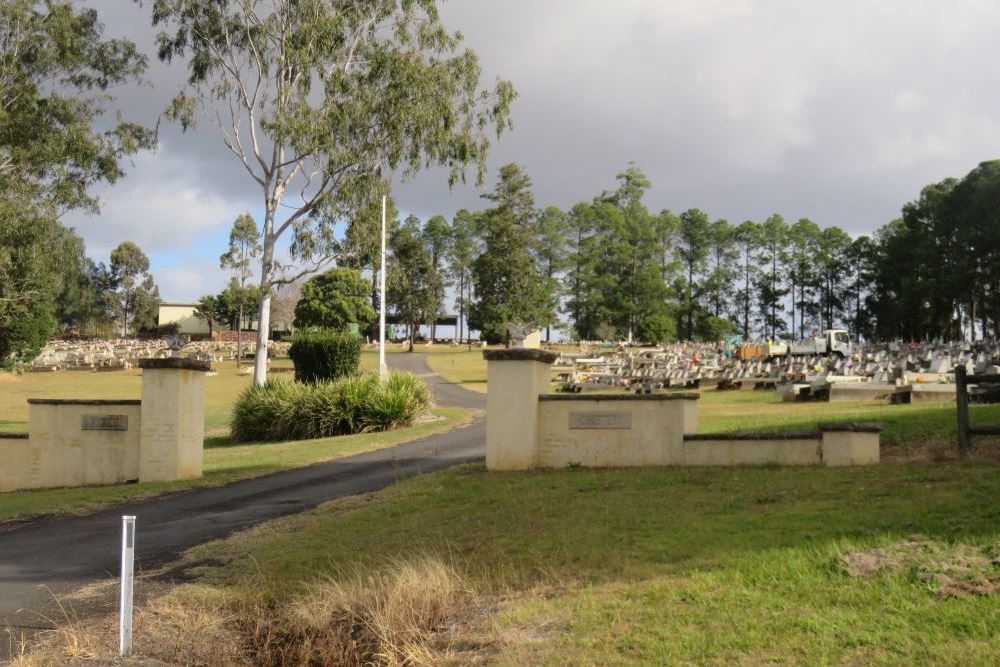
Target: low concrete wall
92	442
614	430
526	427
835	444
73	443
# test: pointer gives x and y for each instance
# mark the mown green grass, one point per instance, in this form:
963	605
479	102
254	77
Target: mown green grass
912	425
220	390
224	462
461	365
665	566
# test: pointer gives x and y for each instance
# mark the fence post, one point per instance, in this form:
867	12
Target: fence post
125	602
962	403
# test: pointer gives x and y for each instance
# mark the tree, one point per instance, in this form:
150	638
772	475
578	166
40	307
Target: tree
208	310
859	260
333	300
507	283
770	287
55	71
78	291
718	286
550	254
803	251
694	241
412	285
283	304
321	101
437	235
748	240
27	272
629	278
362	245
134	295
244	248
461	254
832	266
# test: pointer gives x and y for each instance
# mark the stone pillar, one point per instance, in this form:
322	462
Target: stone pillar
850	443
515	377
172	436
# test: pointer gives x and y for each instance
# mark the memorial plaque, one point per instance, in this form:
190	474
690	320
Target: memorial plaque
104	422
611	420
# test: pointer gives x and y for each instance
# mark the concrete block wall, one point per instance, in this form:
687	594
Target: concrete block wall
527	427
614	430
95	442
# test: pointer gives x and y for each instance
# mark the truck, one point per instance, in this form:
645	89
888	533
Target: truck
833	341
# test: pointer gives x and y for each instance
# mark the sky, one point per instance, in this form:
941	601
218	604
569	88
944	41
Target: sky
839	111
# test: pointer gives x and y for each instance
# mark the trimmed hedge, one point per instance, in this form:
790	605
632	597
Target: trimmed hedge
324	355
299	411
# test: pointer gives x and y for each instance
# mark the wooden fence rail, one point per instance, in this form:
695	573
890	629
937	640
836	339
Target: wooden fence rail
965	429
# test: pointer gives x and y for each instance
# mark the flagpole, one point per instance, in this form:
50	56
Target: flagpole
382	368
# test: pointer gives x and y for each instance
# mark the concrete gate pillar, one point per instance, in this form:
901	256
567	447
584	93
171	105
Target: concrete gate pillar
173	418
515	377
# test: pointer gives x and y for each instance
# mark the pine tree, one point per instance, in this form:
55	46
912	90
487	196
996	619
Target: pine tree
508	285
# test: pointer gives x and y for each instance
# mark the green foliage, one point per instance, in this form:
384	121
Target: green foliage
461	255
711	328
55	67
132	293
616	280
413	287
695	238
324	355
331	100
936	270
234	303
505	276
54	70
656	327
208	310
355	404
333	300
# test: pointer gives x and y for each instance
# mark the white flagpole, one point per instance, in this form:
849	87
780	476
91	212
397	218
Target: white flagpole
383	370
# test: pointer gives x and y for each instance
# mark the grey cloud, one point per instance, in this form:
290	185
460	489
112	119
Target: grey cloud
839	112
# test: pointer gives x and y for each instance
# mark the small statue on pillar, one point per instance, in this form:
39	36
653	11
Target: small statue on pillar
175	345
517	333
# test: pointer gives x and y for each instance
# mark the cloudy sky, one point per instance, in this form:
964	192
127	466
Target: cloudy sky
836	111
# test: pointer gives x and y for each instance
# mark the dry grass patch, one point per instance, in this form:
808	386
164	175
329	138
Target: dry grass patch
175	630
411	613
951	570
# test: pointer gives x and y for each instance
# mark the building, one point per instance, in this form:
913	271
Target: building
182	314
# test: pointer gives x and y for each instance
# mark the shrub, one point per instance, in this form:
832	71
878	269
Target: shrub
324	355
267	412
281	410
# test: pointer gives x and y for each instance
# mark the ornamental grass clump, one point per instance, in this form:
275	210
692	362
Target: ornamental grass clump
268	411
281	410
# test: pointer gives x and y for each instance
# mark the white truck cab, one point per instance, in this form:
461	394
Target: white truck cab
833	341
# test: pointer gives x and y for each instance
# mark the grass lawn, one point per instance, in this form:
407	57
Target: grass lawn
224	462
673	566
459	364
220	390
909	426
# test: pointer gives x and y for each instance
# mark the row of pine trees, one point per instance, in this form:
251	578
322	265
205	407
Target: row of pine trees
610	268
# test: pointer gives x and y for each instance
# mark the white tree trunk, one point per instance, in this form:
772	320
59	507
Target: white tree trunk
264	312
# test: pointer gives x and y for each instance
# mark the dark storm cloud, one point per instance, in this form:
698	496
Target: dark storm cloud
835	111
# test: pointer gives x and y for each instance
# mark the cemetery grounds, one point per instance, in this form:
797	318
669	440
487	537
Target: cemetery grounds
888	564
225	461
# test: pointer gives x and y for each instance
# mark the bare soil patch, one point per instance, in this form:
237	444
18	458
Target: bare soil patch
951	570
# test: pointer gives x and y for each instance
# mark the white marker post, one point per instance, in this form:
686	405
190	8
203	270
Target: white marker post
125	603
383	370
